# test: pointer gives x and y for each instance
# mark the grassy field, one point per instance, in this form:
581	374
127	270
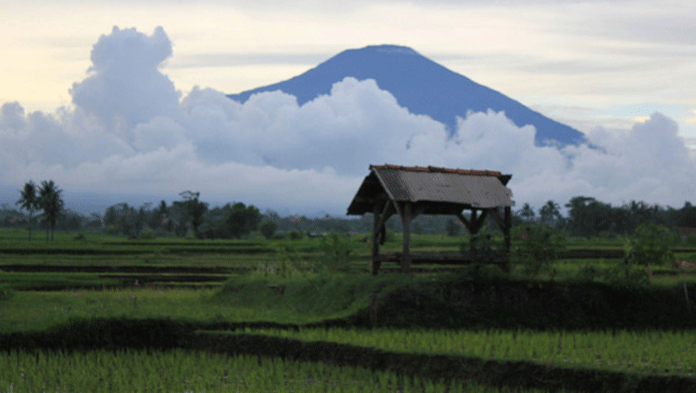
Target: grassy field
179	370
647	352
232	282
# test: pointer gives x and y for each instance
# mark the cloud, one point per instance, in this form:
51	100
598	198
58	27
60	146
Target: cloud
692	120
126	86
130	132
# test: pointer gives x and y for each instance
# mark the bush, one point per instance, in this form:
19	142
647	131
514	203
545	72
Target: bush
286	262
296	234
160	232
147	234
112	229
650	244
589	273
482	248
537	248
690	240
268	229
389	236
627	274
336	255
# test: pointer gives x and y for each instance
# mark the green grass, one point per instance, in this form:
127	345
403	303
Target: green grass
304	299
651	352
179	370
298	296
38	311
56	281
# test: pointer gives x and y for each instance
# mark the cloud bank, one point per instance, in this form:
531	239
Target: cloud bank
130	132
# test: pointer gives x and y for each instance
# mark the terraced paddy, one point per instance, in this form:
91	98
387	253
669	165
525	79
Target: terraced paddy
254	308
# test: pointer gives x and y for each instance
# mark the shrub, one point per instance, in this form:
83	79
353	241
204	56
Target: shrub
287	261
589	273
482	248
147	234
112	229
296	234
389	236
690	240
650	244
537	248
335	255
160	232
268	229
627	274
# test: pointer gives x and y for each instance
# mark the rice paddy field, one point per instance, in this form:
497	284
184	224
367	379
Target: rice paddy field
263	289
651	352
183	371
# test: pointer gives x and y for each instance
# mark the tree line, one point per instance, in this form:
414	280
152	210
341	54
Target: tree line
583	216
588	217
190	214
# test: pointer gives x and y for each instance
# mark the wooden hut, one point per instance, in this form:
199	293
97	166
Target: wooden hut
411	191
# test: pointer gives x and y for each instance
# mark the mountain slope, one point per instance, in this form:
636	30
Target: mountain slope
422	86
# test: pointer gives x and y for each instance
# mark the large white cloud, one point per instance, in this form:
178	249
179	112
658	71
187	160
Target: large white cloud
129	132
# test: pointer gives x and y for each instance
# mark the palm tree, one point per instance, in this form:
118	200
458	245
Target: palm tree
51	203
29	201
550	213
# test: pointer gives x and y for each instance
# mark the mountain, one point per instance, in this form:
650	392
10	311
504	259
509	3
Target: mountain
422	86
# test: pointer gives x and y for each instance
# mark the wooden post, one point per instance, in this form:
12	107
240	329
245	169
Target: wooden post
375	241
474	228
507	219
466	222
406	253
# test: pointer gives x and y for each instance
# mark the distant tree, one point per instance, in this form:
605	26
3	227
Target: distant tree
194	207
162	215
29	201
51	203
686	216
241	220
272	215
126	218
141	218
94	221
71	221
549	214
527	213
588	217
110	216
268	228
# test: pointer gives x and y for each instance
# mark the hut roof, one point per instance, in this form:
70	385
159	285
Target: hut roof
448	191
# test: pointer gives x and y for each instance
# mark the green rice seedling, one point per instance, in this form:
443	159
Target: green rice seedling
651	352
137	371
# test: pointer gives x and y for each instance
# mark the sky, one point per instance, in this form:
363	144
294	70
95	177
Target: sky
124	101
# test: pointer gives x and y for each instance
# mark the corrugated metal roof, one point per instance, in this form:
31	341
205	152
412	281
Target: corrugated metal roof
438	169
469	188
